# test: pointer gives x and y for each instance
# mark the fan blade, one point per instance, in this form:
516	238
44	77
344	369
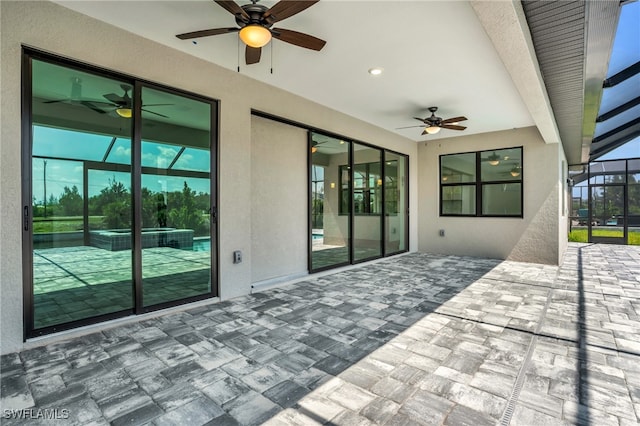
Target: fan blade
252	55
452	127
408	127
93	107
56	101
233	8
115	98
453	120
207	33
299	39
284	9
151	112
424	120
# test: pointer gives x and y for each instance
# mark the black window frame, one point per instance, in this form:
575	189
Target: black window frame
479	183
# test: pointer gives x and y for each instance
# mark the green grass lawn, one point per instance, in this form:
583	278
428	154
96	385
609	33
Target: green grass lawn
580	236
63	224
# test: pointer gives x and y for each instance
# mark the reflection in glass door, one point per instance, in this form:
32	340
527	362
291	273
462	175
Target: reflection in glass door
395	204
358	202
367	202
330	205
176	197
81	200
119	212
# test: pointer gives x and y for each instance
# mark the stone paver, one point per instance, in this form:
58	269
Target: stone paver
415	339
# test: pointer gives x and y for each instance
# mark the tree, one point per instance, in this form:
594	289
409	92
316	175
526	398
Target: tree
117	215
51	206
152	210
71	202
185	216
114	203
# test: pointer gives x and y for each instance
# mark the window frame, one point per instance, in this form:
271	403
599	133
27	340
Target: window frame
479	184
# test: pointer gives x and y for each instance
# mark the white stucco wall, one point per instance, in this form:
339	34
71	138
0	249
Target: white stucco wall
53	28
278	200
533	238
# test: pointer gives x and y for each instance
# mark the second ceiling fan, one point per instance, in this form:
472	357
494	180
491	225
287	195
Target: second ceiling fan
255	23
433	124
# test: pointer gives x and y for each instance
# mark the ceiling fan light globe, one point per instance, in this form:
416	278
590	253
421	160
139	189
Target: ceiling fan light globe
494	162
432	130
255	35
124	112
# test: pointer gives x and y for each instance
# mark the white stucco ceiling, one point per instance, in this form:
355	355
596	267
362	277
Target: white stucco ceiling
434	53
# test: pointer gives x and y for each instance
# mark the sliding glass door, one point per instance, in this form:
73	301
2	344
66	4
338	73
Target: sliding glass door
395	203
176	197
358	202
330	206
119	212
73	277
367	202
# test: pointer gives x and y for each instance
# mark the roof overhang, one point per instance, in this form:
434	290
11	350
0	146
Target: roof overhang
573	42
506	25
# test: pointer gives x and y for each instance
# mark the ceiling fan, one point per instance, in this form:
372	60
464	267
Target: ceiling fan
433	124
315	144
254	26
75	96
494	159
121	104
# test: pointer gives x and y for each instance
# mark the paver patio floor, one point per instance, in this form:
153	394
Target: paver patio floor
411	340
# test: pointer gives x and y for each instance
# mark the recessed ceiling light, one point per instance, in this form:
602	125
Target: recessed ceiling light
375	71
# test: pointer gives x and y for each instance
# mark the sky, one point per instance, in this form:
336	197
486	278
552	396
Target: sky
629	150
626	52
50	142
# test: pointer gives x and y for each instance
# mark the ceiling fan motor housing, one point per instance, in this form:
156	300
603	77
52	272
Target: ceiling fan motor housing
255	12
433	120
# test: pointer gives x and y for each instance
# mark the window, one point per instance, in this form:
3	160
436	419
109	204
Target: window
484	183
367	184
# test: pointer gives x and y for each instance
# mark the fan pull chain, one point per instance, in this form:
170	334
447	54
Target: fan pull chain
271	50
238	52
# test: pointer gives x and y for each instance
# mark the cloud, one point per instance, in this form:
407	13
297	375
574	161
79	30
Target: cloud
121	151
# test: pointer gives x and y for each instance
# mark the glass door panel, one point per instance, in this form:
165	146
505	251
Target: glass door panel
175	197
367	202
395	208
607	214
330	205
80	216
633	202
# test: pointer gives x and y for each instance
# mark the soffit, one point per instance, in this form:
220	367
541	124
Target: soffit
573	42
